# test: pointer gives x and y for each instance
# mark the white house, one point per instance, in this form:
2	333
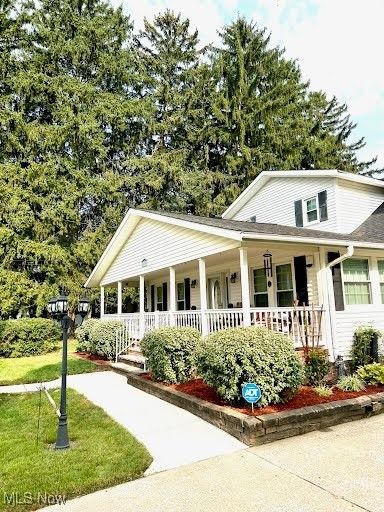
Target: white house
313	238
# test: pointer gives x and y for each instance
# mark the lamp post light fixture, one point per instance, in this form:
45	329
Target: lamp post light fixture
58	307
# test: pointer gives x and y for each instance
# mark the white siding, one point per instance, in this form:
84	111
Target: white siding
348	321
274	202
162	245
356	202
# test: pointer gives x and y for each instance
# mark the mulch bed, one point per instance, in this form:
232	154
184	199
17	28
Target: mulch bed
304	397
91	357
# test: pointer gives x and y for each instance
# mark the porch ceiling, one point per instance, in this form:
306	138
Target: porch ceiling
230	257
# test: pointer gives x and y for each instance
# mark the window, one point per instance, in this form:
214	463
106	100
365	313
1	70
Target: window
260	288
311	210
180	296
159	297
314	209
284	284
380	265
357	286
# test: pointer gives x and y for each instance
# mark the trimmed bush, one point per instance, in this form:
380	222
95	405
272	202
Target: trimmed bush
171	353
98	337
29	337
83	335
372	374
350	383
230	358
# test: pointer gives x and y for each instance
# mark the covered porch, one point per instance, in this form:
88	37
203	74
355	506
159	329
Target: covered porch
276	286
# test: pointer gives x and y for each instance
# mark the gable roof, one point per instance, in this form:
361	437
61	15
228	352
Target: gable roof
369	234
265	176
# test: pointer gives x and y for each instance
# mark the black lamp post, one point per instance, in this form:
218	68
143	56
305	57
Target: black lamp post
58	307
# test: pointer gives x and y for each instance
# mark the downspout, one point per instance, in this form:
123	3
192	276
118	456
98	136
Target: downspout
331	297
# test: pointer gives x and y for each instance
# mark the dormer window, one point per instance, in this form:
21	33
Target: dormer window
311	210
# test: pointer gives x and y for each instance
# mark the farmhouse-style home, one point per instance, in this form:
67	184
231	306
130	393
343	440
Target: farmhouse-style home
301	252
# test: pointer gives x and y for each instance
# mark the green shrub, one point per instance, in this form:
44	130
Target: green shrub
323	390
363	339
230	358
171	353
83	335
29	337
350	383
372	374
103	338
316	365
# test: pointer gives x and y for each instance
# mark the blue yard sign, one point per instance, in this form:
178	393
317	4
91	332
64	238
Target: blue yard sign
251	393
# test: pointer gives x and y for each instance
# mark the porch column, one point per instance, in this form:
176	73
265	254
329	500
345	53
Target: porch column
203	296
119	298
102	307
142	304
244	273
172	294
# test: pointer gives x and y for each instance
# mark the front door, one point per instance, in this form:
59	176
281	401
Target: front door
215	293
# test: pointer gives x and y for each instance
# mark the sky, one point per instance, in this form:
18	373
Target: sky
337	43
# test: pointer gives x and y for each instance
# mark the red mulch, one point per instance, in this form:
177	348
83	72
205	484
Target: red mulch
91	357
305	396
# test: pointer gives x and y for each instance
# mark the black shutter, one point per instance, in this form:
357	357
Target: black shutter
153	305
322	196
299	213
165	297
301	280
187	293
337	281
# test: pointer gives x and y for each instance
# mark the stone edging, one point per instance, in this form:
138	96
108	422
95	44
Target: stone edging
254	430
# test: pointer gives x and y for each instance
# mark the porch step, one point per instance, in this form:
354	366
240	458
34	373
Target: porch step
125	369
134	359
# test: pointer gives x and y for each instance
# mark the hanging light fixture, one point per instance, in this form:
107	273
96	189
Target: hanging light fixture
267	264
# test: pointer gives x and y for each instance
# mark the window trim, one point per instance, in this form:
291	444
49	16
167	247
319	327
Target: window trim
306	222
381	281
177	296
291	263
157	298
369	281
254	293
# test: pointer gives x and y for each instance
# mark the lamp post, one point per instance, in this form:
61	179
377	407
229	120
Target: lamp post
58	307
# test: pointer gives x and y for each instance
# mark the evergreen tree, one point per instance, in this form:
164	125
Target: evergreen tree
166	173
61	173
264	116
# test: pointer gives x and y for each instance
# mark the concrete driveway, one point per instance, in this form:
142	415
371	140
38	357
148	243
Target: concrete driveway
339	469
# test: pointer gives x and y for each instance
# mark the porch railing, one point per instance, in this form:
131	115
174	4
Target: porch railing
302	325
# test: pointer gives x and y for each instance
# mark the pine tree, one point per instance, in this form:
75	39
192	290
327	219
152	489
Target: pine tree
264	116
62	174
166	173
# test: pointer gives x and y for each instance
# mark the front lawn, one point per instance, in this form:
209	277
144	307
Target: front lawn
44	368
102	452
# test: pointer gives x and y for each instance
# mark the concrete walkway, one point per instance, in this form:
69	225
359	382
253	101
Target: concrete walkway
174	437
340	469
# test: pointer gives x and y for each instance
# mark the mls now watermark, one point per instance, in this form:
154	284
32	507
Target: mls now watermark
28	498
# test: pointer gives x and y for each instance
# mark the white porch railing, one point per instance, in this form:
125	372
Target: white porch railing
302	325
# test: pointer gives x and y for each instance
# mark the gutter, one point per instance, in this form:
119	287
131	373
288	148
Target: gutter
331	297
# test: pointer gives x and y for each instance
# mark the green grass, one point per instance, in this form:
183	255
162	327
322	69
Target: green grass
44	368
102	452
